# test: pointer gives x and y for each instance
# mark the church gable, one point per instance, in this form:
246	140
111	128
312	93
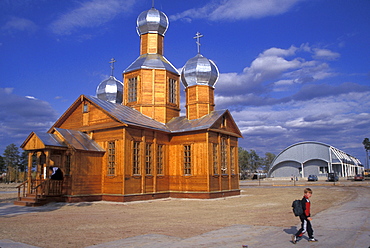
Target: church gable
226	124
39	141
84	115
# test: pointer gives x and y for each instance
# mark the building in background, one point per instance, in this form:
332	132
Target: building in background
314	158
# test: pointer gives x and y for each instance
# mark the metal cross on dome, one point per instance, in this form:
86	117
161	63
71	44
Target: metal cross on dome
198	36
112	61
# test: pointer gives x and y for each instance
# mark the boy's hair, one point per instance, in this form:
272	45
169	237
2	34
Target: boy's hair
307	190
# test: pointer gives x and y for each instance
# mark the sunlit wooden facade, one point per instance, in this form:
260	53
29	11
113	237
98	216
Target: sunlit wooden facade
141	149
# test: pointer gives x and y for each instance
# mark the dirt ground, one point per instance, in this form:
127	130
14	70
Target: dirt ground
85	224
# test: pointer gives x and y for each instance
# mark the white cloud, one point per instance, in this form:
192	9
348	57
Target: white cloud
237	9
19	116
325	54
278	70
89	14
16	24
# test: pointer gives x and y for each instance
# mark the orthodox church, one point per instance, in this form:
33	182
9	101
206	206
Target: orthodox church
130	143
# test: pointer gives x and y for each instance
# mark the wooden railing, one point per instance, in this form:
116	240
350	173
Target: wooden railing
22	186
41	188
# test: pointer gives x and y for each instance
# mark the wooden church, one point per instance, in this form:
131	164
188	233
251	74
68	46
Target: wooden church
130	143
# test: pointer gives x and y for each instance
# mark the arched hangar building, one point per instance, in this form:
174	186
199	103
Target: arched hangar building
314	158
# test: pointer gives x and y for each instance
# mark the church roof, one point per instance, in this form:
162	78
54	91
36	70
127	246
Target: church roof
128	115
79	140
133	117
64	138
49	139
182	124
151	61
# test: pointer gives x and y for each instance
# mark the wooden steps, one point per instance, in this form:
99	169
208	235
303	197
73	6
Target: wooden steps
31	201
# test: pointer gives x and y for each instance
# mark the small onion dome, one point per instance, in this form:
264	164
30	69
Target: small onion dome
199	71
152	21
110	90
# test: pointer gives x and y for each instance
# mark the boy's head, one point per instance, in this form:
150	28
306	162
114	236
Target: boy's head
307	192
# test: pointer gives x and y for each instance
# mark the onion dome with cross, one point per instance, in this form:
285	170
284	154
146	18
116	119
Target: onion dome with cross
199	70
111	89
152	21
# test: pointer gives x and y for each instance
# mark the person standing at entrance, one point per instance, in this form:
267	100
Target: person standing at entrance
56	173
305	218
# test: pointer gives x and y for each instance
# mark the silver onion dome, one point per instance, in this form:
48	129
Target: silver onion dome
199	71
110	90
152	21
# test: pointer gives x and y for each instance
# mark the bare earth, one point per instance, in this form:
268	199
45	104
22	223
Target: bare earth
85	224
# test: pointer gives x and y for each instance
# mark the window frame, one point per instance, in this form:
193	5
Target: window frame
215	159
160	164
224	156
187	160
172	90
111	165
132	89
136	158
148	159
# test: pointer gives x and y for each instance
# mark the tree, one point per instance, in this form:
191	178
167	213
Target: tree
366	144
267	161
2	165
255	161
23	162
11	159
243	159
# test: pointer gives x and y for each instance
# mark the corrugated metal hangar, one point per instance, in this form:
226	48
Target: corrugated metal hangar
314	158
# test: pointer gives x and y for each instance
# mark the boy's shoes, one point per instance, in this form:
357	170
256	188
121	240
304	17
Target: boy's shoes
294	239
312	240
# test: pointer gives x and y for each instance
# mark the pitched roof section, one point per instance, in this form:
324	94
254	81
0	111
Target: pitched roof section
37	141
61	138
79	140
181	124
49	139
128	115
133	117
151	61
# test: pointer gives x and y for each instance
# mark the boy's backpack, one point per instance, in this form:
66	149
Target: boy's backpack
297	207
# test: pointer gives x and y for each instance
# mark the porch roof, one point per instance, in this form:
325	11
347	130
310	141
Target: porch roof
61	139
49	139
79	140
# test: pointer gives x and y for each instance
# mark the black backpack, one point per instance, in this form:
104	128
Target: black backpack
297	207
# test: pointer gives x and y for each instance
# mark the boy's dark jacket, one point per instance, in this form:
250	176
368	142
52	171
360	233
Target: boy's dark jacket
306	205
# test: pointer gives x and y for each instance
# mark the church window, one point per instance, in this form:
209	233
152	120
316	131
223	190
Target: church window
232	159
172	89
187	159
160	159
132	89
148	159
223	155
85	108
111	158
215	158
223	124
136	158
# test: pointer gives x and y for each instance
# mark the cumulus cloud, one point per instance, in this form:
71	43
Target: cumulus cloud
287	95
280	125
277	70
19	116
16	24
237	10
89	14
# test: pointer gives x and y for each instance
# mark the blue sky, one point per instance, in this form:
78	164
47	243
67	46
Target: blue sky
290	70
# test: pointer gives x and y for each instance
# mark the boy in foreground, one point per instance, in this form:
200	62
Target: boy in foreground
305	218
